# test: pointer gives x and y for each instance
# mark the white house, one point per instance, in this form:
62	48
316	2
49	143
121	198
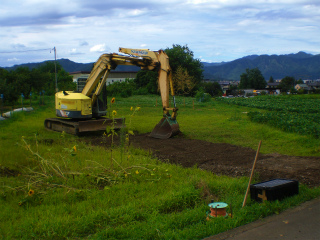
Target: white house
80	77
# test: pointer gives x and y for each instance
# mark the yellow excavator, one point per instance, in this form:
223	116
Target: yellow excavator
84	112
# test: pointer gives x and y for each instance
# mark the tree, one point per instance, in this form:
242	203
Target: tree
183	83
287	83
253	79
3	82
40	79
48	84
65	81
3	76
9	86
213	88
124	89
24	81
147	80
182	62
271	80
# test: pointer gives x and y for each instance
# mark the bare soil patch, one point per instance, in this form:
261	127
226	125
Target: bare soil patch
7	172
226	159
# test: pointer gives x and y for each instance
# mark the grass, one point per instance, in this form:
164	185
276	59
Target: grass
80	192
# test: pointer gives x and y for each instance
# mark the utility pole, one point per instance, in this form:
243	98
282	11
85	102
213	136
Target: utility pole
55	67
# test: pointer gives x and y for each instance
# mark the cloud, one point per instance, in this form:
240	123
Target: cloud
13	59
102	5
74	52
232	28
84	43
98	48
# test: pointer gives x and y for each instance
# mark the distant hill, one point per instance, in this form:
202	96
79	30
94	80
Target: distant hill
299	65
70	66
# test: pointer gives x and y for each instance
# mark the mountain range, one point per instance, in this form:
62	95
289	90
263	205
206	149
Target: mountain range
300	65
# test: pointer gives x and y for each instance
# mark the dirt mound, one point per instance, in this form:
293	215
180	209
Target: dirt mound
227	159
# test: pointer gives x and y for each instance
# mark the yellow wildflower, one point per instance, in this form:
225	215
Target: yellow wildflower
114	112
138	108
31	192
74	148
137	172
113	100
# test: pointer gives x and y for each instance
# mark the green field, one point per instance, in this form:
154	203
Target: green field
298	114
64	188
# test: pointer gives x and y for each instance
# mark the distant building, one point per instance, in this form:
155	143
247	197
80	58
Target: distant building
80	77
273	88
274	85
314	85
303	86
226	85
307	81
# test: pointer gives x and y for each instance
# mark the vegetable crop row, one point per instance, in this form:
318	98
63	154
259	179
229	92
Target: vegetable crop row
278	103
289	122
291	114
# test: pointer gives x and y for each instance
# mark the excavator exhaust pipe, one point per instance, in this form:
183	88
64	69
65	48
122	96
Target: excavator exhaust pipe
166	128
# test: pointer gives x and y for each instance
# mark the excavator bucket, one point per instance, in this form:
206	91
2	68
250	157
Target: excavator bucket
166	128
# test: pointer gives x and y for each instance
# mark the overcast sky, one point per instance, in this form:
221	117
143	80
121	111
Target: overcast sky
215	30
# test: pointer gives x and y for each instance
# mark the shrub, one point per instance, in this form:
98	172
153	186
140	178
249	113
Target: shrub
201	96
122	89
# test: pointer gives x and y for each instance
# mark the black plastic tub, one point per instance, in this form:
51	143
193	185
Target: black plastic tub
276	189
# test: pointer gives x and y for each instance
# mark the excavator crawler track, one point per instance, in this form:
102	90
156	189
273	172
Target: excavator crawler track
77	127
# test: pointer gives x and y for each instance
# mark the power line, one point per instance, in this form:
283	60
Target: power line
35	50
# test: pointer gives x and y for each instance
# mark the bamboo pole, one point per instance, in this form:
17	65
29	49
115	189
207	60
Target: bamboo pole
254	165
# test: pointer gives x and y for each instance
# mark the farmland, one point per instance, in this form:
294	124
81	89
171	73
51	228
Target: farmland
298	114
58	186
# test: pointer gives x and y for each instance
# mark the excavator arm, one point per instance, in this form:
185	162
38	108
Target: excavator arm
168	125
160	60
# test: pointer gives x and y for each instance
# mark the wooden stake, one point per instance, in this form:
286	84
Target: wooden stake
254	165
